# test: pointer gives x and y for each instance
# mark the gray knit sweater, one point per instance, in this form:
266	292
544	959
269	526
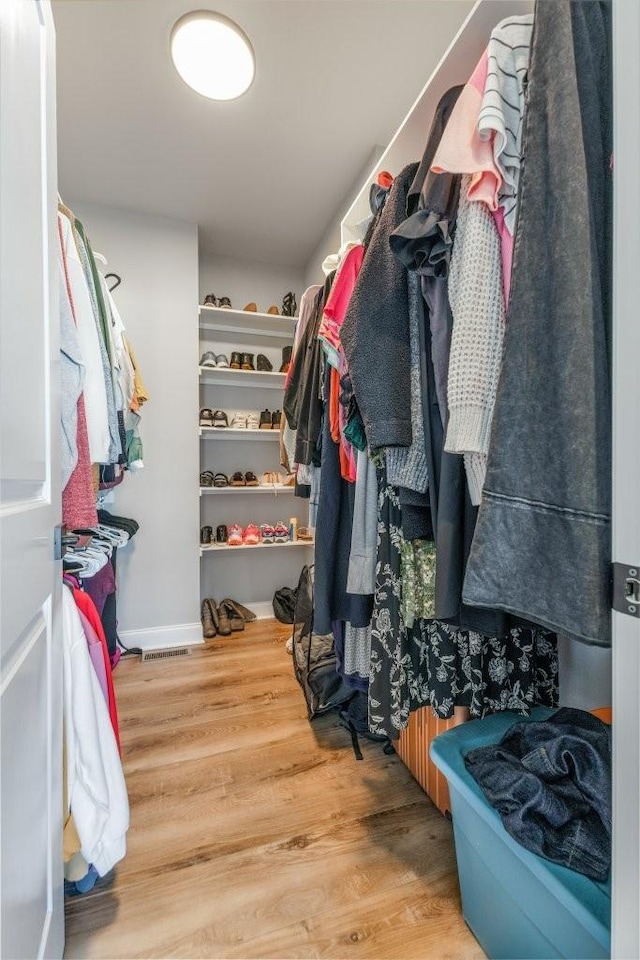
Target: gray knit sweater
477	304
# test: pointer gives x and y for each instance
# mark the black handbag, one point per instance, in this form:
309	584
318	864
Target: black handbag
284	604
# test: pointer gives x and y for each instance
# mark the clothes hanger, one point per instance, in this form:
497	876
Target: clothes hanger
101	257
116	278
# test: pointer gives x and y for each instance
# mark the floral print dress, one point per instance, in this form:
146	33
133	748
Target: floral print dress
434	663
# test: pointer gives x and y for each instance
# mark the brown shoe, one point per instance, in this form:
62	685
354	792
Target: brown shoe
224	625
247	615
206	617
251	307
235	617
273	310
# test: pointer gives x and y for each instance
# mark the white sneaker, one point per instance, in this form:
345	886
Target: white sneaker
239	421
253	421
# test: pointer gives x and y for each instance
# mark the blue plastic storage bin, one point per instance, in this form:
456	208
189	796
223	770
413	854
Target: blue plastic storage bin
517	904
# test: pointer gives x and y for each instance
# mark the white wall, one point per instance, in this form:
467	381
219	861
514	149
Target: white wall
330	240
158	573
246	281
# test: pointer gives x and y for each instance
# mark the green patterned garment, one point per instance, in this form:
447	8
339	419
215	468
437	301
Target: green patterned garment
418	565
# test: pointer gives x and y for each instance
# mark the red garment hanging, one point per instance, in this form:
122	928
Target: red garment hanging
88	608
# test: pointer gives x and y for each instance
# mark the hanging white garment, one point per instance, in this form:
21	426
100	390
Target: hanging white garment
95	391
96	790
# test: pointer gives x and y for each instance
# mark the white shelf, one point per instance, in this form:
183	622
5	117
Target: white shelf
259	325
225	548
274	489
226	377
229	433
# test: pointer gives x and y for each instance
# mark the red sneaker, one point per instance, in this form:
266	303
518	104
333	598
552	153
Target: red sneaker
251	535
234	538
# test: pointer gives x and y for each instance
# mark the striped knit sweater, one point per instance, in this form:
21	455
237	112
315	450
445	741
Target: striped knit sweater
502	110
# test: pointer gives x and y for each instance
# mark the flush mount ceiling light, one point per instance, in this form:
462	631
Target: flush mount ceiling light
212	55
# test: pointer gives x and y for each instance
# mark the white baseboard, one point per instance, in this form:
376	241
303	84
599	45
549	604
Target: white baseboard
159	638
263	609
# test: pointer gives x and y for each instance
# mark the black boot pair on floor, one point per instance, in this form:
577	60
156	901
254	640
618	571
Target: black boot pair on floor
223	618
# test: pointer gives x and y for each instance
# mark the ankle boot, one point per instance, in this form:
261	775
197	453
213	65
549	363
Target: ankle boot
247	361
236	361
286	359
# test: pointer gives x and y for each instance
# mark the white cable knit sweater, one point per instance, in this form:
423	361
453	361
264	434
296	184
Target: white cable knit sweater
477	305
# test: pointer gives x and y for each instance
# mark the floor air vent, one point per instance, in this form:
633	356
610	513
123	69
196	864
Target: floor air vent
165	654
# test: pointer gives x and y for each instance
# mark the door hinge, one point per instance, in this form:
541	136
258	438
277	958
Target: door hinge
626	589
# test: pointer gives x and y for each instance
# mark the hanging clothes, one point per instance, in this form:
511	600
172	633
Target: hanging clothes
544	523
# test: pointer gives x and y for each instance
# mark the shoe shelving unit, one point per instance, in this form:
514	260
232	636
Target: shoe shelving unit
225	548
224	376
250	579
230	433
275	489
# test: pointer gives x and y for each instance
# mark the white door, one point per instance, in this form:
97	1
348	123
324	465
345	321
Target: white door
30	582
626	483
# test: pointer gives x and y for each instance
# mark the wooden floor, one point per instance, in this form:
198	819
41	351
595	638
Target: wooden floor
256	834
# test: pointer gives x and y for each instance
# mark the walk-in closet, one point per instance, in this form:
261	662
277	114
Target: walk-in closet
319	471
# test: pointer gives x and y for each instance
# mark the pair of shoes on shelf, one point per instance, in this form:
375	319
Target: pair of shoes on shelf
242	361
210	479
253	308
245	421
212	301
224	618
218	361
271	478
274	534
247	479
213	418
270	421
247	537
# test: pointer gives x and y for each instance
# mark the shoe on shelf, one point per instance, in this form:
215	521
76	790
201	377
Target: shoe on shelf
224	626
251	535
206	417
265	420
220	419
234	538
247	615
222	361
250	479
253	421
207	478
281	532
239	421
236	360
251	307
267	533
247	362
289	305
286	359
222	534
208	359
209	628
290	480
225	303
210	300
276	417
263	363
273	310
205	535
236	620
221	480
237	480
305	533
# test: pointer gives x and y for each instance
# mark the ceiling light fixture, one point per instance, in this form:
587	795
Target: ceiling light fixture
212	55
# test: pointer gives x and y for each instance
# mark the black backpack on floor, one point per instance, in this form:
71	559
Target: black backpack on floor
354	715
314	656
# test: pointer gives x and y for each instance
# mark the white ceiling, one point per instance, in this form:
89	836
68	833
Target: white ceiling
262	176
